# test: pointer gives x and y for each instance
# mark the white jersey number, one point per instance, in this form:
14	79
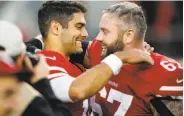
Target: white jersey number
168	65
114	95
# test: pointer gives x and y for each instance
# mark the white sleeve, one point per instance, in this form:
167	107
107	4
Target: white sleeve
61	86
60	83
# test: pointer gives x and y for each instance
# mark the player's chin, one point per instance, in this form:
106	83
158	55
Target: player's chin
79	50
104	52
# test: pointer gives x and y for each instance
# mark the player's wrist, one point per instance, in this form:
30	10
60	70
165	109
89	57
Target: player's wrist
121	56
114	63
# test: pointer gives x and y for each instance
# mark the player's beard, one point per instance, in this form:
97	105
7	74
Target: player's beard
116	46
8	113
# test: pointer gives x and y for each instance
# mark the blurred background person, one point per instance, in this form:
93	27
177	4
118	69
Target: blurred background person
18	66
9	87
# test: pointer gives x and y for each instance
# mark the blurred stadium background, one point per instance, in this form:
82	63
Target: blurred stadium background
164	18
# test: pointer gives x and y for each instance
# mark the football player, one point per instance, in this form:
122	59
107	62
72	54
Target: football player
123	27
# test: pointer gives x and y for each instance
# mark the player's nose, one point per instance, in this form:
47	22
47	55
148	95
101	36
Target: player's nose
85	34
99	37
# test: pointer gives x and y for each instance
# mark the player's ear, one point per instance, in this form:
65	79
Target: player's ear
55	28
128	36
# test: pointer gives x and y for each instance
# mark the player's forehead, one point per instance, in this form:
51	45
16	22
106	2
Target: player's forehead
78	18
108	21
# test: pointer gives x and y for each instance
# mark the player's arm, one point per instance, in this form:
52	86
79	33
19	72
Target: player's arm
172	88
172	85
91	81
85	57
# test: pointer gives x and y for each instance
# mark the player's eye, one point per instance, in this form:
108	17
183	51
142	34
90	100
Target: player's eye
105	32
79	27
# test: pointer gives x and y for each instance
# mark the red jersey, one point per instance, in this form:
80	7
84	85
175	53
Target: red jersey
62	73
130	91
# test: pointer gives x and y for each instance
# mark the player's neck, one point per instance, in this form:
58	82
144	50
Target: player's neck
55	46
137	45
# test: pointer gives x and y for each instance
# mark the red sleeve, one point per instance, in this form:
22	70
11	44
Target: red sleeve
58	65
172	74
59	76
164	78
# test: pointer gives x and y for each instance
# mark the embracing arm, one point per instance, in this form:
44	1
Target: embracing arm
70	89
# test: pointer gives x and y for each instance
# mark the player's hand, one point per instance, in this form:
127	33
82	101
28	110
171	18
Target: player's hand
94	52
133	56
148	48
40	71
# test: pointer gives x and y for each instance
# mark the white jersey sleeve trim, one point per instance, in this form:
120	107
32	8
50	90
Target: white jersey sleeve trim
61	87
171	88
57	68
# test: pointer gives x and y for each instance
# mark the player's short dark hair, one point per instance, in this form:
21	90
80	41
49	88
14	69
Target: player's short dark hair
131	15
60	11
